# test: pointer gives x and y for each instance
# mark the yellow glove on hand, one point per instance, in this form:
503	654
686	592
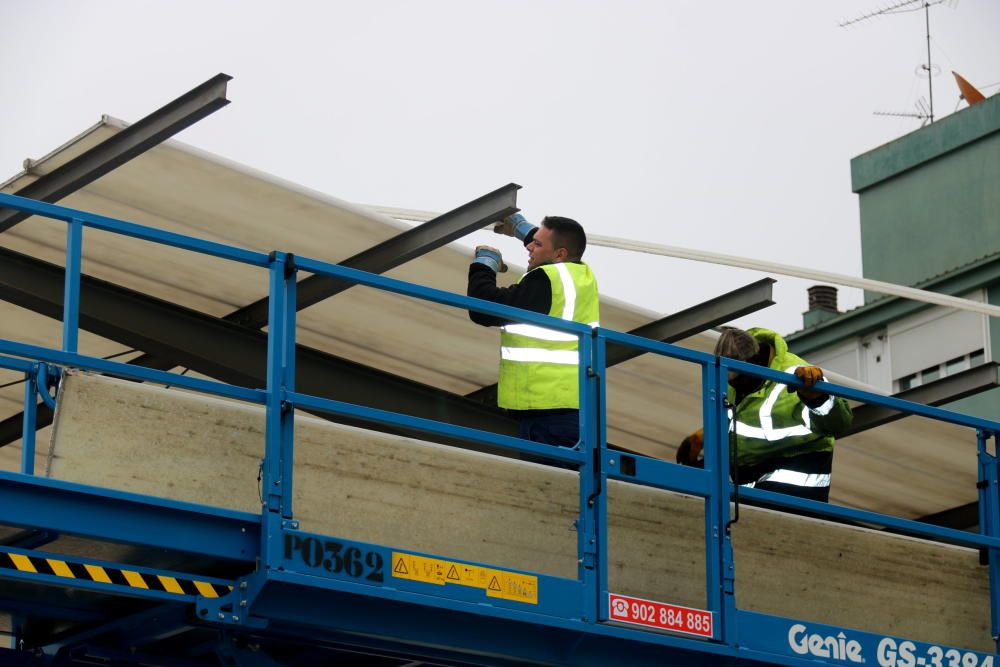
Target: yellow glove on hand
691	448
809	375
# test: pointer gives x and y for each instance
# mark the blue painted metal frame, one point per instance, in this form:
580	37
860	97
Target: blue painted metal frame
989	518
29	420
71	297
374	415
603	460
133	230
105	514
579	604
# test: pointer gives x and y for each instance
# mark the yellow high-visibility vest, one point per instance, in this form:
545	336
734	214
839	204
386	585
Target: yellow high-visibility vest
539	366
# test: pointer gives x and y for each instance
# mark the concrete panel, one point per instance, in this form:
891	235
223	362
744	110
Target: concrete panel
856	577
454	503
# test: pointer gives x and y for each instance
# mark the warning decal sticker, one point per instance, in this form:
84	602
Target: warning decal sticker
496	583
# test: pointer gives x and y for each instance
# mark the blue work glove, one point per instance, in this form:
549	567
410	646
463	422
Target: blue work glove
514	225
490	257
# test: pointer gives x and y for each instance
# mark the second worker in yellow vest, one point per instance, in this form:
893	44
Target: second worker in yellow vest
539	367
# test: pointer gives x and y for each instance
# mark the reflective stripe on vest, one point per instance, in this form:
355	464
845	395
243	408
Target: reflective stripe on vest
542	333
794	478
567	357
766	430
539	366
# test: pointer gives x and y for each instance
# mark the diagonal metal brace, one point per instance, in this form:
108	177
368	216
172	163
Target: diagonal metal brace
131	142
396	251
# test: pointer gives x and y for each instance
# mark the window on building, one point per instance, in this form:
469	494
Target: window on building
934	343
909	382
950	367
957	365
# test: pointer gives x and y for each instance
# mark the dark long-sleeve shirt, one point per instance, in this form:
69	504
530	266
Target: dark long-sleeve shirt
533	293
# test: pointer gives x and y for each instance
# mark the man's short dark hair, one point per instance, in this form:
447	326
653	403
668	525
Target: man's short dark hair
567	233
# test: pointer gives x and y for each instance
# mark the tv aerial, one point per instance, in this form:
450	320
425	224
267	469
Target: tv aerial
924	109
921	112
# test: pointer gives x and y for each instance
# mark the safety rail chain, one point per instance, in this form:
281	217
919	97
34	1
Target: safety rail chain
585	605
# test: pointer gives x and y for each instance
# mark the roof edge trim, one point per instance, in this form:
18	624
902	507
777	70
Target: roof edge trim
925	144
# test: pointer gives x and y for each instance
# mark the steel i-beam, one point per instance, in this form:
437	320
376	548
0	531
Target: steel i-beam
398	250
115	151
939	392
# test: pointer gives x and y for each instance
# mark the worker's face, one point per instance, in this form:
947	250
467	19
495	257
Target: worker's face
745	383
542	250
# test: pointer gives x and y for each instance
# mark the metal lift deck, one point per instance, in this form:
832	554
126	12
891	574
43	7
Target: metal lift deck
113	557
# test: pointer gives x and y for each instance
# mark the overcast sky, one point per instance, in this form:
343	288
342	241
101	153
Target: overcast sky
725	126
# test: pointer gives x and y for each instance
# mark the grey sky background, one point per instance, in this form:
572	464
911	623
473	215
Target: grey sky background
724	126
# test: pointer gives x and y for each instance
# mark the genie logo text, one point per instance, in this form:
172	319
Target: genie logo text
837	647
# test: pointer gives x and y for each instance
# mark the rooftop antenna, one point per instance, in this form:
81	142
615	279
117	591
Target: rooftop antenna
899	7
922	113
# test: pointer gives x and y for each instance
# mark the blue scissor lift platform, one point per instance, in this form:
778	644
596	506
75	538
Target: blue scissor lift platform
92	575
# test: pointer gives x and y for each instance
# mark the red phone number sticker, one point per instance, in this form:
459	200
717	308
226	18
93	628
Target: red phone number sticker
660	615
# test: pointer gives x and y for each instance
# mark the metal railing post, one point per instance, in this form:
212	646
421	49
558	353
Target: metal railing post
989	521
590	485
720	568
29	421
288	385
276	486
71	293
602	456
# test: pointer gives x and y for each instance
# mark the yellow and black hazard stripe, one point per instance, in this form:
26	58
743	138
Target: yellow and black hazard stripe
106	574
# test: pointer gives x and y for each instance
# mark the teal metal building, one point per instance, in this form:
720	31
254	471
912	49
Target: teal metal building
930	218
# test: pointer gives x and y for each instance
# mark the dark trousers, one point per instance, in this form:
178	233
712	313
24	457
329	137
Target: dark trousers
552	427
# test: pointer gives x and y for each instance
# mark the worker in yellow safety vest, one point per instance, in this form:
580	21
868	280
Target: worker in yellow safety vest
539	377
783	436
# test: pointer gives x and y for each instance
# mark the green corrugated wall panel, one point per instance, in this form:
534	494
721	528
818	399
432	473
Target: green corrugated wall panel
932	219
930	200
993	296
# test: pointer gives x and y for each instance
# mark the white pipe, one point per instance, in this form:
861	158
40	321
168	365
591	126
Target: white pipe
797	272
758	265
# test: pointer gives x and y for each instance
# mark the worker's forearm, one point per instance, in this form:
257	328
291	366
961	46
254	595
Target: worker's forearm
831	417
533	293
483	285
